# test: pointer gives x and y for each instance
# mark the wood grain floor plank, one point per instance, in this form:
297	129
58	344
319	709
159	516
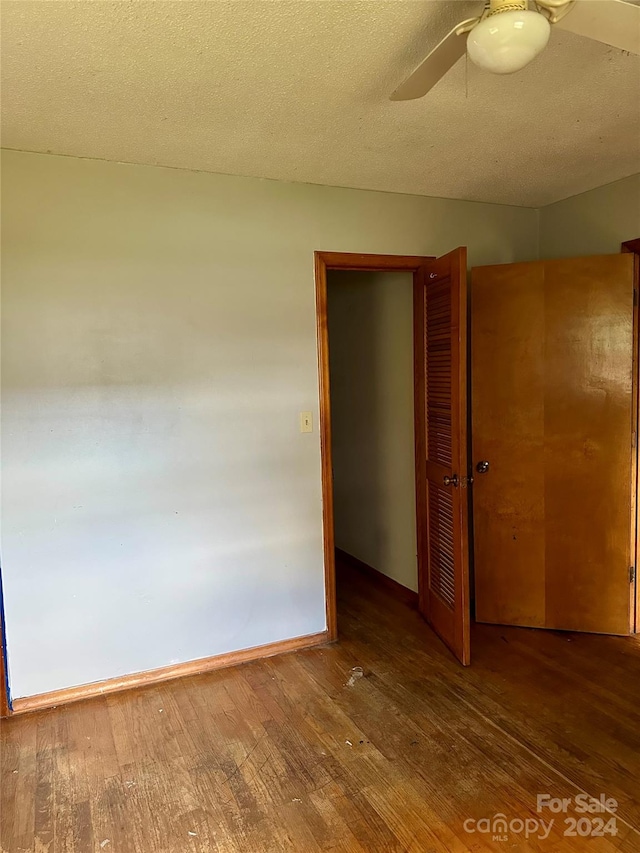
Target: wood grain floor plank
44	794
21	809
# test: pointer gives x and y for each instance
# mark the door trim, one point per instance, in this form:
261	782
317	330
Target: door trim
633	247
340	261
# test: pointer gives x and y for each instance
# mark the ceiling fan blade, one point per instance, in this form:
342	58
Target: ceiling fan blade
443	57
612	22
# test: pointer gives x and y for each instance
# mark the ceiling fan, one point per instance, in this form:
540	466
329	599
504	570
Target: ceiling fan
508	34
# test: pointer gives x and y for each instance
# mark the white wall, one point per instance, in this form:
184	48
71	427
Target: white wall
371	360
159	502
592	223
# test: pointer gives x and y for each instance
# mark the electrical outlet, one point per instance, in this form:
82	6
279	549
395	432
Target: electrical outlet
306	422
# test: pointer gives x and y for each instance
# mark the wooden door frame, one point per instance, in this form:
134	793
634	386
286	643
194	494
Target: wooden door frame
356	262
633	247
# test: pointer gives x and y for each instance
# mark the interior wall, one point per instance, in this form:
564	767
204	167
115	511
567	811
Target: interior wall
592	223
159	342
371	380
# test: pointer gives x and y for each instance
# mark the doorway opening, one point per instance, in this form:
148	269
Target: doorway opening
370	325
340	264
437	337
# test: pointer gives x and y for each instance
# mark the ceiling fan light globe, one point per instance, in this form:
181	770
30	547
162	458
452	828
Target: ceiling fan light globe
506	42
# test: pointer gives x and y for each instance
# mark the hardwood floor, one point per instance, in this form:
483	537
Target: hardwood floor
302	753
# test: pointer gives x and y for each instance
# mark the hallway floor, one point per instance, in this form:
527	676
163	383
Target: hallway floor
303	753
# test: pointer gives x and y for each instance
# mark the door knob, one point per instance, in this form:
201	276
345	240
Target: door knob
482	467
451	481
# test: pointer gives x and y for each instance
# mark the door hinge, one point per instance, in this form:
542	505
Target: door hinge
635	296
632	574
634	438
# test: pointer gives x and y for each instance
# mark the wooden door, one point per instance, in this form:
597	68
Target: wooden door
440	315
552	364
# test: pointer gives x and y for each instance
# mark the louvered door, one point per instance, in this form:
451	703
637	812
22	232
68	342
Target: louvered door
440	316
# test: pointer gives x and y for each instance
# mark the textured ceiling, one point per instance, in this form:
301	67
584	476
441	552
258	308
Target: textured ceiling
299	91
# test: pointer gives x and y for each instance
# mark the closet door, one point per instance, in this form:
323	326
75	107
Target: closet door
553	430
440	315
